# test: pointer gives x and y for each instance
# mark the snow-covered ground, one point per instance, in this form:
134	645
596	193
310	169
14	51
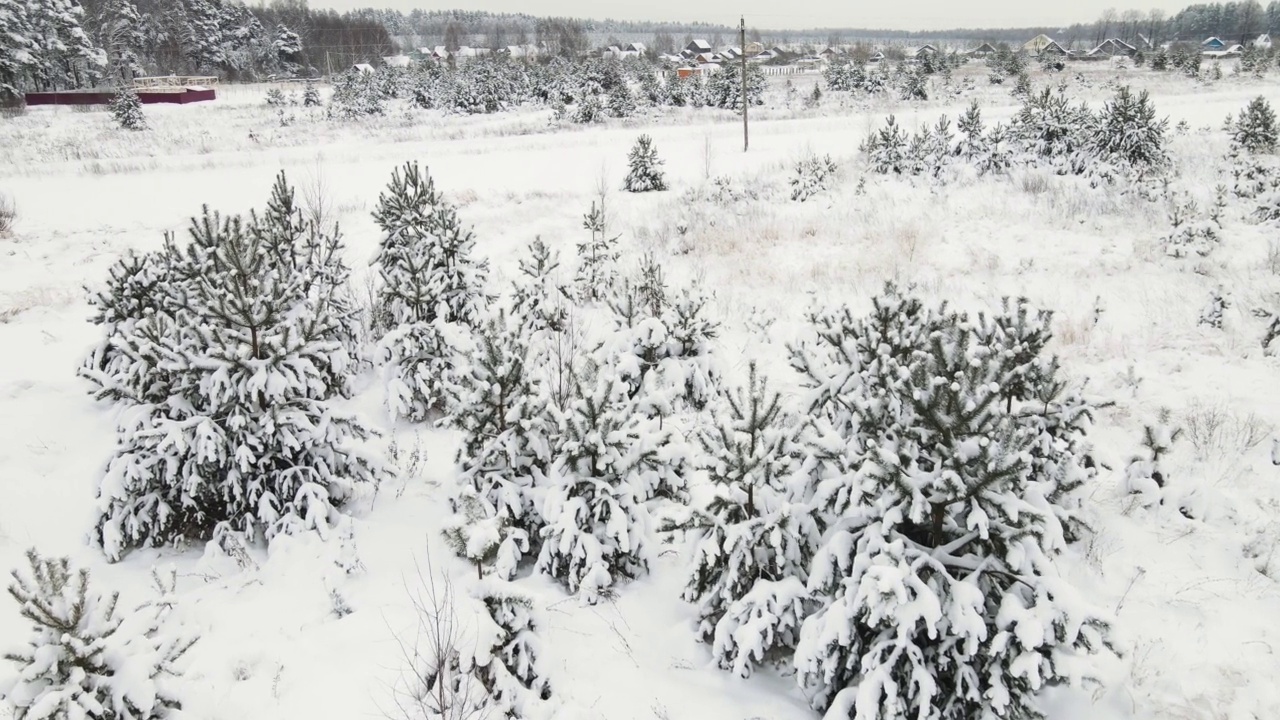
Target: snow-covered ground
1192	581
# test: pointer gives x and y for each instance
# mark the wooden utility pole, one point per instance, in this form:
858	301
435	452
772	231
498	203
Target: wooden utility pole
742	48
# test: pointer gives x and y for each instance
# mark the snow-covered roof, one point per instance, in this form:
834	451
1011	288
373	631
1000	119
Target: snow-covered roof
398	61
1113	46
1037	43
365	68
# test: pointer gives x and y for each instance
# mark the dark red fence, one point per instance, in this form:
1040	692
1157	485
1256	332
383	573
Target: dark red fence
74	97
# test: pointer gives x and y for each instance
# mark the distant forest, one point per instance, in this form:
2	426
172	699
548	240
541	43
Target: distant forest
1232	21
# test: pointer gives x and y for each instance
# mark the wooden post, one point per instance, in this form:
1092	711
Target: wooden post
742	47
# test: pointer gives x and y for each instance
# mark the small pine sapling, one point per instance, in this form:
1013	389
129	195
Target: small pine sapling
812	175
1145	473
1128	136
815	97
355	95
622	104
83	659
972	144
1191	232
886	149
1219	303
506	660
597	258
233	367
498	405
1256	130
538	297
756	535
432	290
310	95
596	530
126	108
645	172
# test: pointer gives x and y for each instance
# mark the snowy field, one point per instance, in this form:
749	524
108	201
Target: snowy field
1191	580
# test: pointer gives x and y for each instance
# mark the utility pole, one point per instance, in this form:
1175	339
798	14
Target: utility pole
742	47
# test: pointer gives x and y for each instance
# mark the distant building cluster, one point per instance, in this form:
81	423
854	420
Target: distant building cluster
699	56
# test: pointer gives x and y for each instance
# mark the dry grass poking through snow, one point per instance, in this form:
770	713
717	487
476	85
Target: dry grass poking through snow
8	214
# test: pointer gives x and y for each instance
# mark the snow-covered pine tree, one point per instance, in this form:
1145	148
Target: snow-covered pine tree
1050	128
432	290
972	144
757	537
597	531
126	108
811	175
1038	398
662	350
914	85
651	91
1128	136
287	46
538	297
645	172
886	149
507	434
16	51
1145	473
622	104
587	106
232	372
1256	130
938	593
83	659
688	363
597	258
355	95
310	95
505	661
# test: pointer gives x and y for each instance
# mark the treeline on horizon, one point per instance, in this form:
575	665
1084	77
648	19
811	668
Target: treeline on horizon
1232	21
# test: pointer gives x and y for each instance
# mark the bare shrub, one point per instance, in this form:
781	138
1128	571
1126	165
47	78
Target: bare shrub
1216	430
317	198
435	685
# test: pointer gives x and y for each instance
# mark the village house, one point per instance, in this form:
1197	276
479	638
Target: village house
696	48
1037	44
1111	48
1053	49
986	49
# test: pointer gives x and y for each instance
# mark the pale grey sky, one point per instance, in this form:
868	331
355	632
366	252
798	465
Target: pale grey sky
892	14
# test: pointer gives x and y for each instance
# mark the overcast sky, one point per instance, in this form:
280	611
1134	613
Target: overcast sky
891	14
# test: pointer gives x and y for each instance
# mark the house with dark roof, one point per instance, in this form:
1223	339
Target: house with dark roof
1112	48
